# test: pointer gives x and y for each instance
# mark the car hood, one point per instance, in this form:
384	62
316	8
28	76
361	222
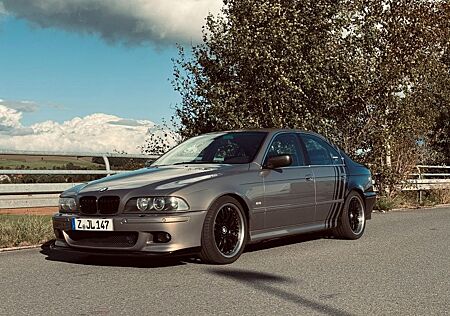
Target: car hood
163	177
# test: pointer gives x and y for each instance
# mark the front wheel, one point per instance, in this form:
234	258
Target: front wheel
224	232
352	221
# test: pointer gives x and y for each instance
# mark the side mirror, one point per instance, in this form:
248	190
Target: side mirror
278	161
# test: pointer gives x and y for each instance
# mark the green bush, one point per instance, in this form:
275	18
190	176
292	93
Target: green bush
435	197
384	204
24	230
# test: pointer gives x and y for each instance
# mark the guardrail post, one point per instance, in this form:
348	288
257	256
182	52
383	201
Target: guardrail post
107	166
420	191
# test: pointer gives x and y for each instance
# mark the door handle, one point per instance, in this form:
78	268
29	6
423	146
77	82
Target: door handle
309	178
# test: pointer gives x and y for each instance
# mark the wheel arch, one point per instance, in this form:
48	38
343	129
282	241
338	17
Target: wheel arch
241	201
357	190
360	191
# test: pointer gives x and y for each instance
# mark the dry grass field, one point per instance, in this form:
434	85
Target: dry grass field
40	162
24	230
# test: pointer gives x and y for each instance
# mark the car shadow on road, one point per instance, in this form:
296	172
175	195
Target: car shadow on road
269	283
158	262
109	260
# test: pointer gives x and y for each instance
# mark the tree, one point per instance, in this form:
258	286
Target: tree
160	139
259	66
366	74
395	51
438	147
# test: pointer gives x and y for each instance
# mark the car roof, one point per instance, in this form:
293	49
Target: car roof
273	131
270	130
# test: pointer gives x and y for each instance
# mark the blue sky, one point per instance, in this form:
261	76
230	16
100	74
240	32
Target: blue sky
91	75
69	74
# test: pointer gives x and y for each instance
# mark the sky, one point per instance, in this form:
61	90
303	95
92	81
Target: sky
97	62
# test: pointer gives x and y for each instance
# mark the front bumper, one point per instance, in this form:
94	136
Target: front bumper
369	198
185	231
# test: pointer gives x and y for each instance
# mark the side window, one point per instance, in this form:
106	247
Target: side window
320	152
287	144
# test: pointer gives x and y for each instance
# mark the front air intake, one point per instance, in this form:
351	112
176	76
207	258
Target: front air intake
103	239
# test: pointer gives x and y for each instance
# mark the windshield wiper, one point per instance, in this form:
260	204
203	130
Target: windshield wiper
192	162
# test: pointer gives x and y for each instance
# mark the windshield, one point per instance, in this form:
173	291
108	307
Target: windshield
226	148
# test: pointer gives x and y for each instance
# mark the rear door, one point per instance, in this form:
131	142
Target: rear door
289	195
329	172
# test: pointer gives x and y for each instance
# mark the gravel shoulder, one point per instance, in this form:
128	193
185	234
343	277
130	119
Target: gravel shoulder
29	211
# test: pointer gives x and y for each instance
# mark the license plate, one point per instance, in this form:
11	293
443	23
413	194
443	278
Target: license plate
92	224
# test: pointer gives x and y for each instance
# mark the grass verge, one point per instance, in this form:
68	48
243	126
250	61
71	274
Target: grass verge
410	200
24	230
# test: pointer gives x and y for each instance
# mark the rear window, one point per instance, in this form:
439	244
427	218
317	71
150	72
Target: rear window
320	152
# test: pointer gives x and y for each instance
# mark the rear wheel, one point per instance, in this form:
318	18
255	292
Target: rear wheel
352	221
224	232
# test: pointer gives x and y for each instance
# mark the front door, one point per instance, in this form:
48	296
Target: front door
289	194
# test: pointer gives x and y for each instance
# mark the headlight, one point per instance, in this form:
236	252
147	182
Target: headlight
157	204
144	204
67	205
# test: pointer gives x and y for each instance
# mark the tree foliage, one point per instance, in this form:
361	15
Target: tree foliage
161	139
373	76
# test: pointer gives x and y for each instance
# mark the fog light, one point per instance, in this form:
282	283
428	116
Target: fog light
162	237
130	240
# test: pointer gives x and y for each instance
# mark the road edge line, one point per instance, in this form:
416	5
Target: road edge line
19	248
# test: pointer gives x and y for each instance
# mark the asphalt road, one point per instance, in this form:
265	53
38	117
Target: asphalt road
401	266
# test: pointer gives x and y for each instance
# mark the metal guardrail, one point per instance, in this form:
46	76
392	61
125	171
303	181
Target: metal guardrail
73	154
424	181
426	184
61	172
46	194
25	195
34	188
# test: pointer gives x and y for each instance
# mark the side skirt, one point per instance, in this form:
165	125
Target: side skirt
263	234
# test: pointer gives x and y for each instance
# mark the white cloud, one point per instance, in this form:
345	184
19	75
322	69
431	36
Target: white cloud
2	9
9	118
21	106
93	133
127	21
10	124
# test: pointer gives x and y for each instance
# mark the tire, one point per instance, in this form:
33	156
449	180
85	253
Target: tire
224	233
352	222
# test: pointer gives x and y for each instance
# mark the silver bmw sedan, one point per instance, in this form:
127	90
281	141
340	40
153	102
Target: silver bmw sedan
215	193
